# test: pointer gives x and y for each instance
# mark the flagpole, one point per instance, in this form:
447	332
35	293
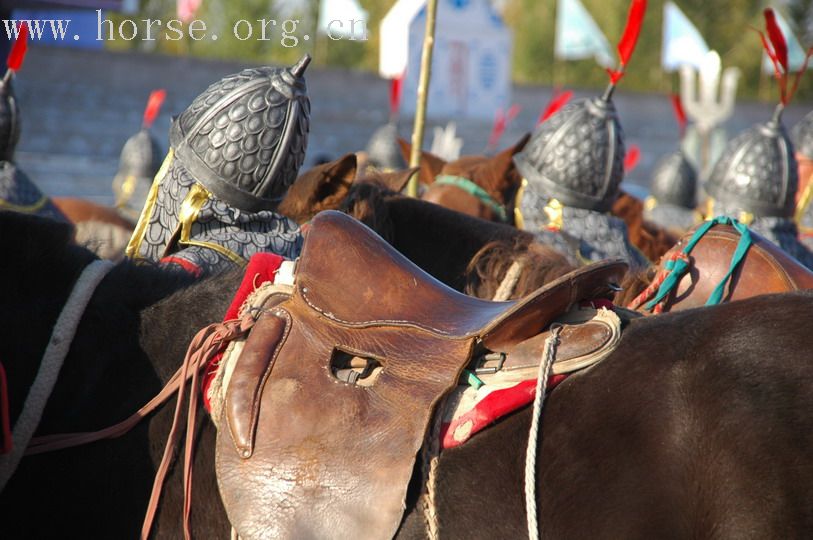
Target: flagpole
423	91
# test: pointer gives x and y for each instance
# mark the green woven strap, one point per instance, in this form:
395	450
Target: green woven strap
473	189
678	267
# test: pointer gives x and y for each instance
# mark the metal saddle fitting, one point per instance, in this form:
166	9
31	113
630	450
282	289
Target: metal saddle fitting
587	336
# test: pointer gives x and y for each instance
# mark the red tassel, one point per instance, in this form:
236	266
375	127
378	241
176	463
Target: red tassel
153	106
557	101
17	54
396	86
501	122
632	158
780	46
629	39
680	114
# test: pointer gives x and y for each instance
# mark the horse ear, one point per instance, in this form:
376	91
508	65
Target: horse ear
323	187
431	165
396	180
502	165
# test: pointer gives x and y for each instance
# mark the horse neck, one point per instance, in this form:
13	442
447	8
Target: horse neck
443	242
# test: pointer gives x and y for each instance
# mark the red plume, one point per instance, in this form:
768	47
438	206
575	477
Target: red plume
780	46
632	158
153	106
501	122
777	51
557	101
680	114
396	85
626	46
17	54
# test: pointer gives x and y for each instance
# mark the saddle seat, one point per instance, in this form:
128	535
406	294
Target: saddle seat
350	275
303	452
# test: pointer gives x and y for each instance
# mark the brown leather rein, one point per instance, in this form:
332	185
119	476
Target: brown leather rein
205	345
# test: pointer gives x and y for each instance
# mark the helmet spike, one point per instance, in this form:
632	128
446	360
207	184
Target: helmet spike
298	69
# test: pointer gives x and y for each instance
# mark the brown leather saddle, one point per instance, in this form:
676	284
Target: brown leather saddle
305	453
766	269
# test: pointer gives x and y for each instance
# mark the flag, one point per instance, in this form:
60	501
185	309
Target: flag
578	36
796	54
347	18
682	42
187	8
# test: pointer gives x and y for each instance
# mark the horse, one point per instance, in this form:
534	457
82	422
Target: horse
681	452
102	229
487	187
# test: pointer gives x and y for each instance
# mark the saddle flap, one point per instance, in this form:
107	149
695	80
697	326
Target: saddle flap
330	458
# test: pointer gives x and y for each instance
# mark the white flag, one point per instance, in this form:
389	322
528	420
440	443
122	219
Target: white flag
682	42
796	54
578	36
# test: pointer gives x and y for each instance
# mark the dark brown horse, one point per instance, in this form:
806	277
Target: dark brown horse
656	440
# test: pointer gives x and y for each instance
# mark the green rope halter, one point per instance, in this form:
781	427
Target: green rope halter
473	189
678	267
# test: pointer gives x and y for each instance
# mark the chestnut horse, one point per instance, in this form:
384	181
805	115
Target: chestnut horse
498	182
656	440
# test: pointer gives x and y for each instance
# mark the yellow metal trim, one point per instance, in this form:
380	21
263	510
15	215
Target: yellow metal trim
554	210
24	208
126	191
188	214
804	202
519	219
134	245
746	218
650	203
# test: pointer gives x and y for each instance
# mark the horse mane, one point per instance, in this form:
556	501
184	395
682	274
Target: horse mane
634	284
366	201
489	266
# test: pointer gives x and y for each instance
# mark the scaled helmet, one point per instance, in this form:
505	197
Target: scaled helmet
675	181
757	173
245	137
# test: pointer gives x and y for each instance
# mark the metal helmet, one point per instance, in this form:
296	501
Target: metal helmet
675	181
140	159
383	150
19	194
245	137
9	120
757	172
803	135
576	156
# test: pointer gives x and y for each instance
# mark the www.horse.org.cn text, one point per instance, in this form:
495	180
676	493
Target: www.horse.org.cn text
284	31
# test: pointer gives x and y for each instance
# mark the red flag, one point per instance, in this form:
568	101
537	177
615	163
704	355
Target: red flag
154	103
680	114
17	54
187	9
632	158
396	86
557	101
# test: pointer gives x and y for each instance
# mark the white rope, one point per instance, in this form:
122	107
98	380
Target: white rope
548	357
55	353
509	282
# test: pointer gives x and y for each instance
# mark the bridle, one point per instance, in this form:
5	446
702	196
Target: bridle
475	191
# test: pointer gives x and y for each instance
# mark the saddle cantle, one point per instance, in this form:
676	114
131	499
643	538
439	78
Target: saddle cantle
302	452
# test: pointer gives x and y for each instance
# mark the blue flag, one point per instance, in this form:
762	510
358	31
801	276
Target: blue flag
578	36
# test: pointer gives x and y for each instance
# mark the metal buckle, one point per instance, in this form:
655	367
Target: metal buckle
498	356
